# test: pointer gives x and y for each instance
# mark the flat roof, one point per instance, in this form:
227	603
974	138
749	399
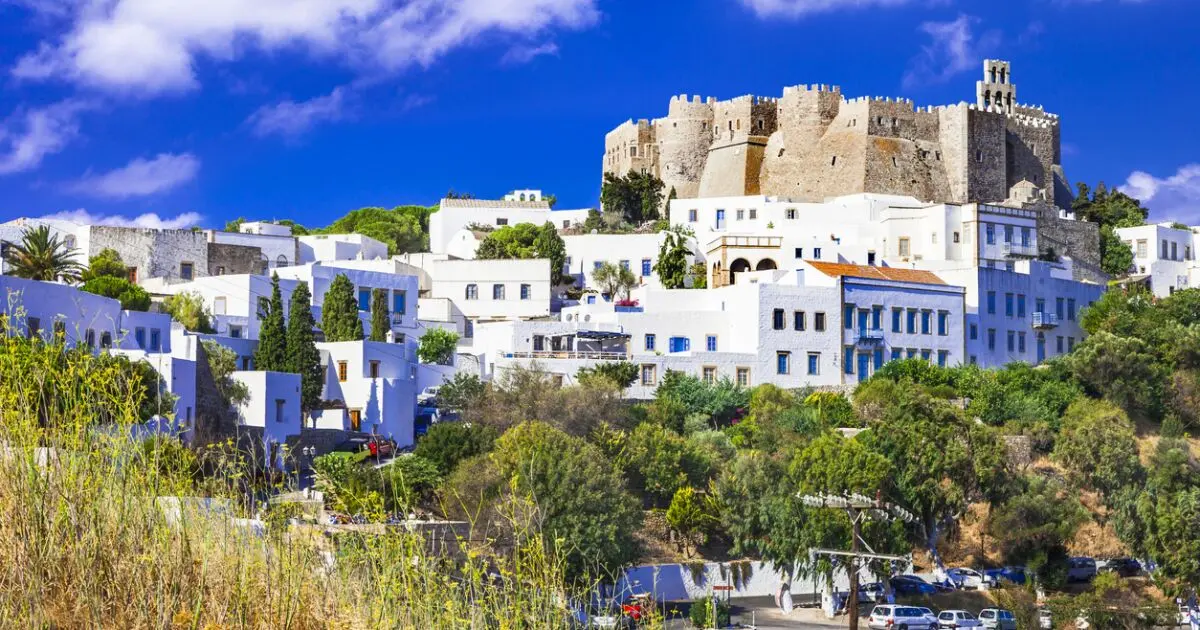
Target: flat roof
895	274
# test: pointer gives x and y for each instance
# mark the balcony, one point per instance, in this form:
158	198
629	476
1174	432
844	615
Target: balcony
1045	321
397	319
568	354
868	336
1016	250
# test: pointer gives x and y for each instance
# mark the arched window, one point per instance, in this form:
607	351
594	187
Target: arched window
282	261
1003	75
472	292
106	340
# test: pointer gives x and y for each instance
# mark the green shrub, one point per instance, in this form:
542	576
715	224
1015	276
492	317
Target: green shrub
131	296
709	612
448	443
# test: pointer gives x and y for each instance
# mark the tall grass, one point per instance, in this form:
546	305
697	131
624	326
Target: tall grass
86	541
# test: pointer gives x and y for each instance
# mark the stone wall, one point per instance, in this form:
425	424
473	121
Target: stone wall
227	259
155	253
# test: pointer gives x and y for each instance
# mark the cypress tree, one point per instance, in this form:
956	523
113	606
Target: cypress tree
380	322
339	312
303	357
272	353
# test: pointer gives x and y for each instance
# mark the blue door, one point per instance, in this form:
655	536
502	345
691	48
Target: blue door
864	366
1041	347
720	219
862	322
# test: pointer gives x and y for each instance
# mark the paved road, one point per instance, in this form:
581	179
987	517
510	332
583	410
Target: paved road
760	612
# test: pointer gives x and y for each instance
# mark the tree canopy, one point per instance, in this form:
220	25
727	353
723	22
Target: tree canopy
188	309
271	355
672	265
525	241
42	255
303	357
131	296
635	198
339	312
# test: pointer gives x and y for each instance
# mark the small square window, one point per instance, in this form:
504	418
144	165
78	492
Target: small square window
649	375
186	271
743	377
710	374
374	369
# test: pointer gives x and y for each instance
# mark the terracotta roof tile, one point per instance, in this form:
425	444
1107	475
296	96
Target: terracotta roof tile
895	274
493	203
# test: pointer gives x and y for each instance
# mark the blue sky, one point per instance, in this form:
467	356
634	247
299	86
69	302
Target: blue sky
181	112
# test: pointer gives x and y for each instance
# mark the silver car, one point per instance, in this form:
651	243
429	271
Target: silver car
893	617
997	619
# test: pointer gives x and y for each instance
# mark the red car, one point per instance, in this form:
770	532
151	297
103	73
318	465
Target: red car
637	607
380	447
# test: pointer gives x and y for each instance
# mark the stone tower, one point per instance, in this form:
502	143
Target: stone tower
996	92
683	138
741	128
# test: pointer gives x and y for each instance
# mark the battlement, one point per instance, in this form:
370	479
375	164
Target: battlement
751	99
695	99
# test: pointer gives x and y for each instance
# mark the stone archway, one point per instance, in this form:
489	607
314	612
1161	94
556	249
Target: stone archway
765	264
737	266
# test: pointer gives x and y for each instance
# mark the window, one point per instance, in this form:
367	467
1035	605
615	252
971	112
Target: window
753	213
814	363
871	259
710	343
155	339
926	353
355	419
943	355
783	362
790	213
819	321
567	265
364	299
649	342
1174	251
220	272
1012	341
1008	233
777	319
591	299
710	374
1163	255
139	335
878	360
896	319
979	156
1008	305
848	360
342	367
897	354
131	274
1024	237
679	344
105	340
833	161
743	377
956	237
848	317
1070	344
991	302
1058	307
186	271
90	338
974	332
905	246
740	214
624	265
235	332
374	369
926	322
472	292
497	291
1059	344
647	265
1021	342
692	215
279	403
799	253
539	343
526	291
1039	306
400	302
911	353
798	320
990	230
912	321
1020	305
816	253
1141	248
503	221
991	339
933	237
1071	309
943	323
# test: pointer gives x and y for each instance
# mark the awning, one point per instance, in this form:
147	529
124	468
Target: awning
600	334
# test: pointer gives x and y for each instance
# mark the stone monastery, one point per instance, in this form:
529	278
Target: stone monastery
813	143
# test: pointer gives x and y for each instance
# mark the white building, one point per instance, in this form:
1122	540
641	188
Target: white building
272	408
377	384
457	214
1163	256
820	325
636	252
278	246
237	302
481	290
331	247
401	290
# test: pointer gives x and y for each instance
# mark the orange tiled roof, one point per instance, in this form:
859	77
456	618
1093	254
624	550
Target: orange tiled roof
894	274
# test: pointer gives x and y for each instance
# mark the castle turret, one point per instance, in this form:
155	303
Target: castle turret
996	92
741	127
683	140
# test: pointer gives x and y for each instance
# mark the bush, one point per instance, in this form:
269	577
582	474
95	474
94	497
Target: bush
437	345
131	296
702	613
409	480
448	443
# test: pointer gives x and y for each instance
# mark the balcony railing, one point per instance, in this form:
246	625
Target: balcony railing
568	354
762	242
1017	250
1045	320
868	336
397	319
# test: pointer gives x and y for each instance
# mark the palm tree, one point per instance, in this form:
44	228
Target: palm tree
42	256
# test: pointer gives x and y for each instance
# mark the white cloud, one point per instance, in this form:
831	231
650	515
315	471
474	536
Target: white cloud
1174	197
150	47
29	135
954	49
524	54
148	220
800	8
289	118
142	177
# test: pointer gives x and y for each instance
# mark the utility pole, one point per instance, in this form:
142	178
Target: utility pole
852	603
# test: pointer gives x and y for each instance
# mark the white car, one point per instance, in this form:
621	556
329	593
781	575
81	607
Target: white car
428	395
891	617
930	615
964	578
997	619
957	619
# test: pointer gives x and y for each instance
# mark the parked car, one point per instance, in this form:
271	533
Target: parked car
890	617
963	578
636	607
428	396
929	614
957	619
994	577
870	592
997	619
380	446
1124	567
905	585
1081	569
